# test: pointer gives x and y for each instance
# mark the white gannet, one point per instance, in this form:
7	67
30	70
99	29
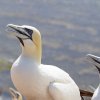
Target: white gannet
15	94
34	80
1	92
95	60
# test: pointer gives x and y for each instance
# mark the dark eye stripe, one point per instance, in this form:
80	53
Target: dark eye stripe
21	41
29	31
97	68
96	60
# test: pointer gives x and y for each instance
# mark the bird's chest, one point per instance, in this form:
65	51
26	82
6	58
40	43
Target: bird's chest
24	70
28	80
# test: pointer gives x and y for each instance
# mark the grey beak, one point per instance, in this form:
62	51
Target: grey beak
19	30
21	33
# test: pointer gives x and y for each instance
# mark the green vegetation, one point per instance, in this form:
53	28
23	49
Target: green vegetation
4	65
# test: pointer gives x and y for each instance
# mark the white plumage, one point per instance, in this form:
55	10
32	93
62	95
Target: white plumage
95	60
37	81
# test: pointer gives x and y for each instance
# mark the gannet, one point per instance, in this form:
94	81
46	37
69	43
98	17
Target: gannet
34	80
95	60
1	92
15	94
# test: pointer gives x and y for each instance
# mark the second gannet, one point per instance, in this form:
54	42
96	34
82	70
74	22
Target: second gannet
95	60
34	80
15	94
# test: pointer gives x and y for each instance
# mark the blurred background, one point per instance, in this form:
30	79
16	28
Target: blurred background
69	29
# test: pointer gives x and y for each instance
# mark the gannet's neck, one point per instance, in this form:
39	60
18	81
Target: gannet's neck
32	51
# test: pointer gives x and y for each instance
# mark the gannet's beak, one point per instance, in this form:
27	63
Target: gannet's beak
95	60
20	32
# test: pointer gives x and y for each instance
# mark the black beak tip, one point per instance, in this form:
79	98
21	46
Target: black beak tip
97	68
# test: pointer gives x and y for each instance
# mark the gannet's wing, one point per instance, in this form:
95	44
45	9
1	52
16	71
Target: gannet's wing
61	91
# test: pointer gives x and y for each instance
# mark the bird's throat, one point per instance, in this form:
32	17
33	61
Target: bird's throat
33	53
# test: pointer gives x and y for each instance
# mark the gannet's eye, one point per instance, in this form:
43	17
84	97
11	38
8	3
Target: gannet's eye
29	31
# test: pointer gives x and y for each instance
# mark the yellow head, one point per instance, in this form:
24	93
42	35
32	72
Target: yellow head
30	39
